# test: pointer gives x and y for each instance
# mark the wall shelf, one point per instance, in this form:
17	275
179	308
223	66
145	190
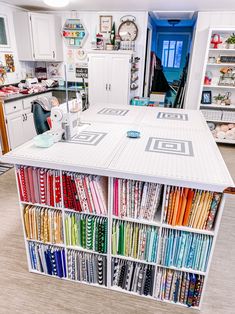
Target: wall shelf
219	86
215	106
224	141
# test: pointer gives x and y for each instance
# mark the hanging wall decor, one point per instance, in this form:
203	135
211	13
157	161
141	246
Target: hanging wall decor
74	32
10	64
106	23
128	30
2	73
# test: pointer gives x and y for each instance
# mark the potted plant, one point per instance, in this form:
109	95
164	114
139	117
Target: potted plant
231	41
219	99
110	46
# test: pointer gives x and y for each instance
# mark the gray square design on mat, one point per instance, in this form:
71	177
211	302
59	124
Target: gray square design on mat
169	146
172	116
113	111
88	138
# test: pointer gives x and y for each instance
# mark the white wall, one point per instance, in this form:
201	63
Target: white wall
91	22
205	21
16	76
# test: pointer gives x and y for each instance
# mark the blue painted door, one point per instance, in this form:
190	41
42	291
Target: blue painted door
172	49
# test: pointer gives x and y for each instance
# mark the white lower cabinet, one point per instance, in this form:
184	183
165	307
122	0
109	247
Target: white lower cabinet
19	121
15	130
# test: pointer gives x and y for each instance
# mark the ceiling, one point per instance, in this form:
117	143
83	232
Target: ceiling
186	18
132	5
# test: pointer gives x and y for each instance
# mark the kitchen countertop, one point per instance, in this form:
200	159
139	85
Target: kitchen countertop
22	96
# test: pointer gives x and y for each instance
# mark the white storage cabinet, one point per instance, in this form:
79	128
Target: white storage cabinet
109	78
38	36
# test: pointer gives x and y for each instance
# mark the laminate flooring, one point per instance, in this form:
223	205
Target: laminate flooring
24	292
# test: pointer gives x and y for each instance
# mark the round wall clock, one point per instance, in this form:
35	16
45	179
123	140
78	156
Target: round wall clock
128	31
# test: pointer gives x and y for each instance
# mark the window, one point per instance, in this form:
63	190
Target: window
4	41
171	53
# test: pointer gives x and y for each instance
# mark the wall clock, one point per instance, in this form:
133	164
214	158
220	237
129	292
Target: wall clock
128	30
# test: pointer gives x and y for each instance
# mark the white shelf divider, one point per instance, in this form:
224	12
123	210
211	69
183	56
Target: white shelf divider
224	141
215	106
219	86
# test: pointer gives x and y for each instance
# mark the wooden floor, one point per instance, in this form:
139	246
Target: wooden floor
22	292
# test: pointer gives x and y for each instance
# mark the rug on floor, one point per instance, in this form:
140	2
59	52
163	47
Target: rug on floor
4	168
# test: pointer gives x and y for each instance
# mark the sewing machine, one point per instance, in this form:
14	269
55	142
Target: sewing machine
65	124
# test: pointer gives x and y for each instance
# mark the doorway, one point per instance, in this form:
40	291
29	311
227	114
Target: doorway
172	34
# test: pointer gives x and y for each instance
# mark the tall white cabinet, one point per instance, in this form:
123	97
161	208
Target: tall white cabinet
109	77
38	36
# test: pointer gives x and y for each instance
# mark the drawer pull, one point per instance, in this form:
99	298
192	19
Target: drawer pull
14	107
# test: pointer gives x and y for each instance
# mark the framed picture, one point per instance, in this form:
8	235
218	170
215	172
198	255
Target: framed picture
4	32
206	97
106	22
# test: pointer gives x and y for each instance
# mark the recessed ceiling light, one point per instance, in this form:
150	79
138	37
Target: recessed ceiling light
56	3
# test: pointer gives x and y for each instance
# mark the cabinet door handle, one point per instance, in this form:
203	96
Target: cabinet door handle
23	117
109	86
26	117
14	107
106	86
53	54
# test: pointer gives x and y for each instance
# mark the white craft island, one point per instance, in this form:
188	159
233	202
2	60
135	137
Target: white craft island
140	216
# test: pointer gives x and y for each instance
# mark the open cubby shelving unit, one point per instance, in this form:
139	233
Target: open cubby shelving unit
214	87
176	149
158	223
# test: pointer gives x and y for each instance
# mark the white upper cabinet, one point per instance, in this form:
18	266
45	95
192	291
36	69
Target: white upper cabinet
43	30
38	36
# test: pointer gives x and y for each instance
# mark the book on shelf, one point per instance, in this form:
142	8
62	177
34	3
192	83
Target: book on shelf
85	193
136	199
132	276
47	259
39	185
43	224
179	287
87	267
85	231
185	249
135	240
190	207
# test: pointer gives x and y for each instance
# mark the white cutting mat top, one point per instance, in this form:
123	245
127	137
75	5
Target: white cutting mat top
170	117
171	155
113	114
97	146
174	154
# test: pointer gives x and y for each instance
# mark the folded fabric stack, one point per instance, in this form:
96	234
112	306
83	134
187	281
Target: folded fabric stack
39	186
132	276
86	231
47	259
85	193
179	287
185	249
136	199
43	224
134	240
190	207
87	267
